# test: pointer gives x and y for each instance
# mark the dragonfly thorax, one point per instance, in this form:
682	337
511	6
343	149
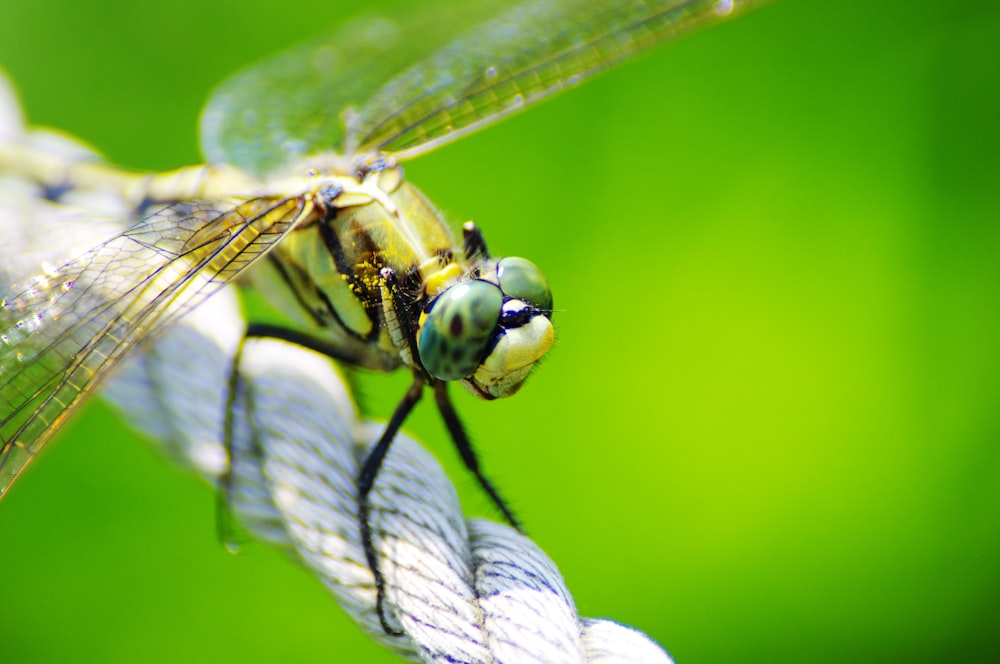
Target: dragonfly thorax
385	279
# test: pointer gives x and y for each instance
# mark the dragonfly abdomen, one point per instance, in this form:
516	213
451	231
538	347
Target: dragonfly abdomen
66	172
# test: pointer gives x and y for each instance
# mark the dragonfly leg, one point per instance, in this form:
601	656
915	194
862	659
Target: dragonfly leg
229	531
369	468
402	308
473	242
226	525
366	480
464	446
304	339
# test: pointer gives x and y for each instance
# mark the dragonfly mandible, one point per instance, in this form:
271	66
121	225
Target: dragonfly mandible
303	184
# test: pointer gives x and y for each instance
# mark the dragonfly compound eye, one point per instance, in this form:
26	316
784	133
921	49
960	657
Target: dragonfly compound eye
521	279
525	333
458	330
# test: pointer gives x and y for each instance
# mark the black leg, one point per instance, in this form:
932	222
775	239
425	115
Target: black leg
366	480
461	440
404	309
227	528
369	468
473	242
334	352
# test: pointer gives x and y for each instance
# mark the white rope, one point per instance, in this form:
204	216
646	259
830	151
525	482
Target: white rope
11	121
462	590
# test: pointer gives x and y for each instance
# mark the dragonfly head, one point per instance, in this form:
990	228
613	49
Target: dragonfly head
488	330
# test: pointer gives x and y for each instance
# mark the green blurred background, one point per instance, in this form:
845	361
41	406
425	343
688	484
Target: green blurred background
770	428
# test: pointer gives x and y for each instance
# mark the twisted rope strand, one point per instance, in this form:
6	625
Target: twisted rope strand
462	590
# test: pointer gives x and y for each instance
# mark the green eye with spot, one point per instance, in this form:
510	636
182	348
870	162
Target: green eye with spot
521	279
457	332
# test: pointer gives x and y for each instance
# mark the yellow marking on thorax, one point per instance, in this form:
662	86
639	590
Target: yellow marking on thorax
440	278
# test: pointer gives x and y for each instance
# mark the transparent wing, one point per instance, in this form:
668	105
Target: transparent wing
406	85
515	60
62	329
300	102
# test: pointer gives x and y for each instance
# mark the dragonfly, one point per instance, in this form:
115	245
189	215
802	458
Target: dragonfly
303	193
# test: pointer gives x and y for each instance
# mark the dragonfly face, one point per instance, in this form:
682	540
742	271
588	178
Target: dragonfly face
489	331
